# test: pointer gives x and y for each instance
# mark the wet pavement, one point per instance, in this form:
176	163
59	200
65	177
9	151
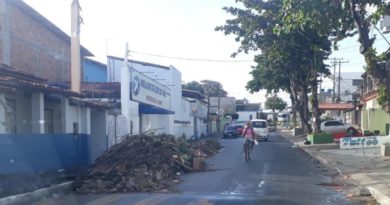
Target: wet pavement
278	173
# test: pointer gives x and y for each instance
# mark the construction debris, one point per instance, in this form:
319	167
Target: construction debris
145	163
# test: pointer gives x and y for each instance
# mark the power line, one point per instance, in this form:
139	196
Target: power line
193	59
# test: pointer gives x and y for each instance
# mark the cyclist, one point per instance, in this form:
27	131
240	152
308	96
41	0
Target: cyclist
249	135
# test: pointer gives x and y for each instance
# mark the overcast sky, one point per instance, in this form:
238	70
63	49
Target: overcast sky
172	28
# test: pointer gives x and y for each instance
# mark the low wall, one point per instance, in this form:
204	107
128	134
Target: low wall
34	153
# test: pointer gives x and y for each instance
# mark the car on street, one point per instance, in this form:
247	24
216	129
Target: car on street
260	128
240	128
272	126
231	131
335	126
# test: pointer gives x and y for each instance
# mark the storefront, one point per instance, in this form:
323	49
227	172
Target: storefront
146	103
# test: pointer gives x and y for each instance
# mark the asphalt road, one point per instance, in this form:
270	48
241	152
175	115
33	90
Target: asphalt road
277	174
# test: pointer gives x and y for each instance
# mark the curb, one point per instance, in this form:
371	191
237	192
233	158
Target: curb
379	197
28	197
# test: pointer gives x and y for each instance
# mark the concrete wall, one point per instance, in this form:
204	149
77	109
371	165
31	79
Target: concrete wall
99	137
374	118
57	115
157	123
244	116
33	153
33	48
23	113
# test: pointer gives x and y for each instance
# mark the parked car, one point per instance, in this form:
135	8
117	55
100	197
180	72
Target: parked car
231	131
260	128
272	126
335	126
240	128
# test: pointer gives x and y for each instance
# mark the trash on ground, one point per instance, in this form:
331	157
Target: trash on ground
145	163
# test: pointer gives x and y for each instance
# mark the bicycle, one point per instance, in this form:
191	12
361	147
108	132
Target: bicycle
248	146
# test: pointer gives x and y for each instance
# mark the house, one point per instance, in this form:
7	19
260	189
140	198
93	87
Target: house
373	118
43	125
199	107
94	71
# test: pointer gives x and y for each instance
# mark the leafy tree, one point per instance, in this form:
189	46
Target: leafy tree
213	88
275	103
291	58
194	86
347	18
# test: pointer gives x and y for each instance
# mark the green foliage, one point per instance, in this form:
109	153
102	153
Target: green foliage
194	86
275	103
206	87
292	46
213	88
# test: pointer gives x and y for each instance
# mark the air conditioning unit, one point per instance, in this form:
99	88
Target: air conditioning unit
385	24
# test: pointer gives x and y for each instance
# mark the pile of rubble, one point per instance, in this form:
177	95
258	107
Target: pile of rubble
145	163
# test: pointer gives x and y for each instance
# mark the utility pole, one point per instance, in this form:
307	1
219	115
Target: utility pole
334	80
339	83
75	71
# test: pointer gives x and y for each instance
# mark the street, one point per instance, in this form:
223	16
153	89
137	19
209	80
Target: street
277	174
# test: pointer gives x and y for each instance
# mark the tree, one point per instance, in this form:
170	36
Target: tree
346	18
213	88
194	86
275	103
290	59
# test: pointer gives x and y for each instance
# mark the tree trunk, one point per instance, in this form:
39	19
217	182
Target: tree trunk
299	93
316	111
294	111
305	107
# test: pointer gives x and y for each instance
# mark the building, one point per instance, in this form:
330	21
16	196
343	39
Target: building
94	71
43	125
350	83
199	108
373	118
227	105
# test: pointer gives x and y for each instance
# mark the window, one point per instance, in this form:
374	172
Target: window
259	124
333	123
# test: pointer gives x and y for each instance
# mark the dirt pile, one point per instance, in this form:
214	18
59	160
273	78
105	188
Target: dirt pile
145	163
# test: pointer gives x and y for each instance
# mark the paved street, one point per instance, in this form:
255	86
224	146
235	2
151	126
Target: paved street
277	174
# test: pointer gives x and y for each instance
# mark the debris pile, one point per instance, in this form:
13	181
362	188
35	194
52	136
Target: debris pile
145	163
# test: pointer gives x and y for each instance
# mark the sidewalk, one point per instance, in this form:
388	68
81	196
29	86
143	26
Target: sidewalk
364	167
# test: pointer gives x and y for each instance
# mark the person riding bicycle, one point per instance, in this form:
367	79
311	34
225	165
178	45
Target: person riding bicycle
249	134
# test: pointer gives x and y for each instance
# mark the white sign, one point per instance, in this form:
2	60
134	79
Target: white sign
363	142
146	90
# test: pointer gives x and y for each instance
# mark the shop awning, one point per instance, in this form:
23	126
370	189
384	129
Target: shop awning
150	109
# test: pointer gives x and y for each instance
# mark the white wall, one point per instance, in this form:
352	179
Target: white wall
159	124
183	119
76	114
244	116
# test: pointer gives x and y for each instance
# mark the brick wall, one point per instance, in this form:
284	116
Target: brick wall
37	50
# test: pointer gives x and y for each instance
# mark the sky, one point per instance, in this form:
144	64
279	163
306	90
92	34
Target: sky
174	28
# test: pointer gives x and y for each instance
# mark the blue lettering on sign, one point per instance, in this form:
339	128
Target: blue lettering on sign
361	141
153	88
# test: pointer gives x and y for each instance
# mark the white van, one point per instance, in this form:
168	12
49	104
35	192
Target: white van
261	129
